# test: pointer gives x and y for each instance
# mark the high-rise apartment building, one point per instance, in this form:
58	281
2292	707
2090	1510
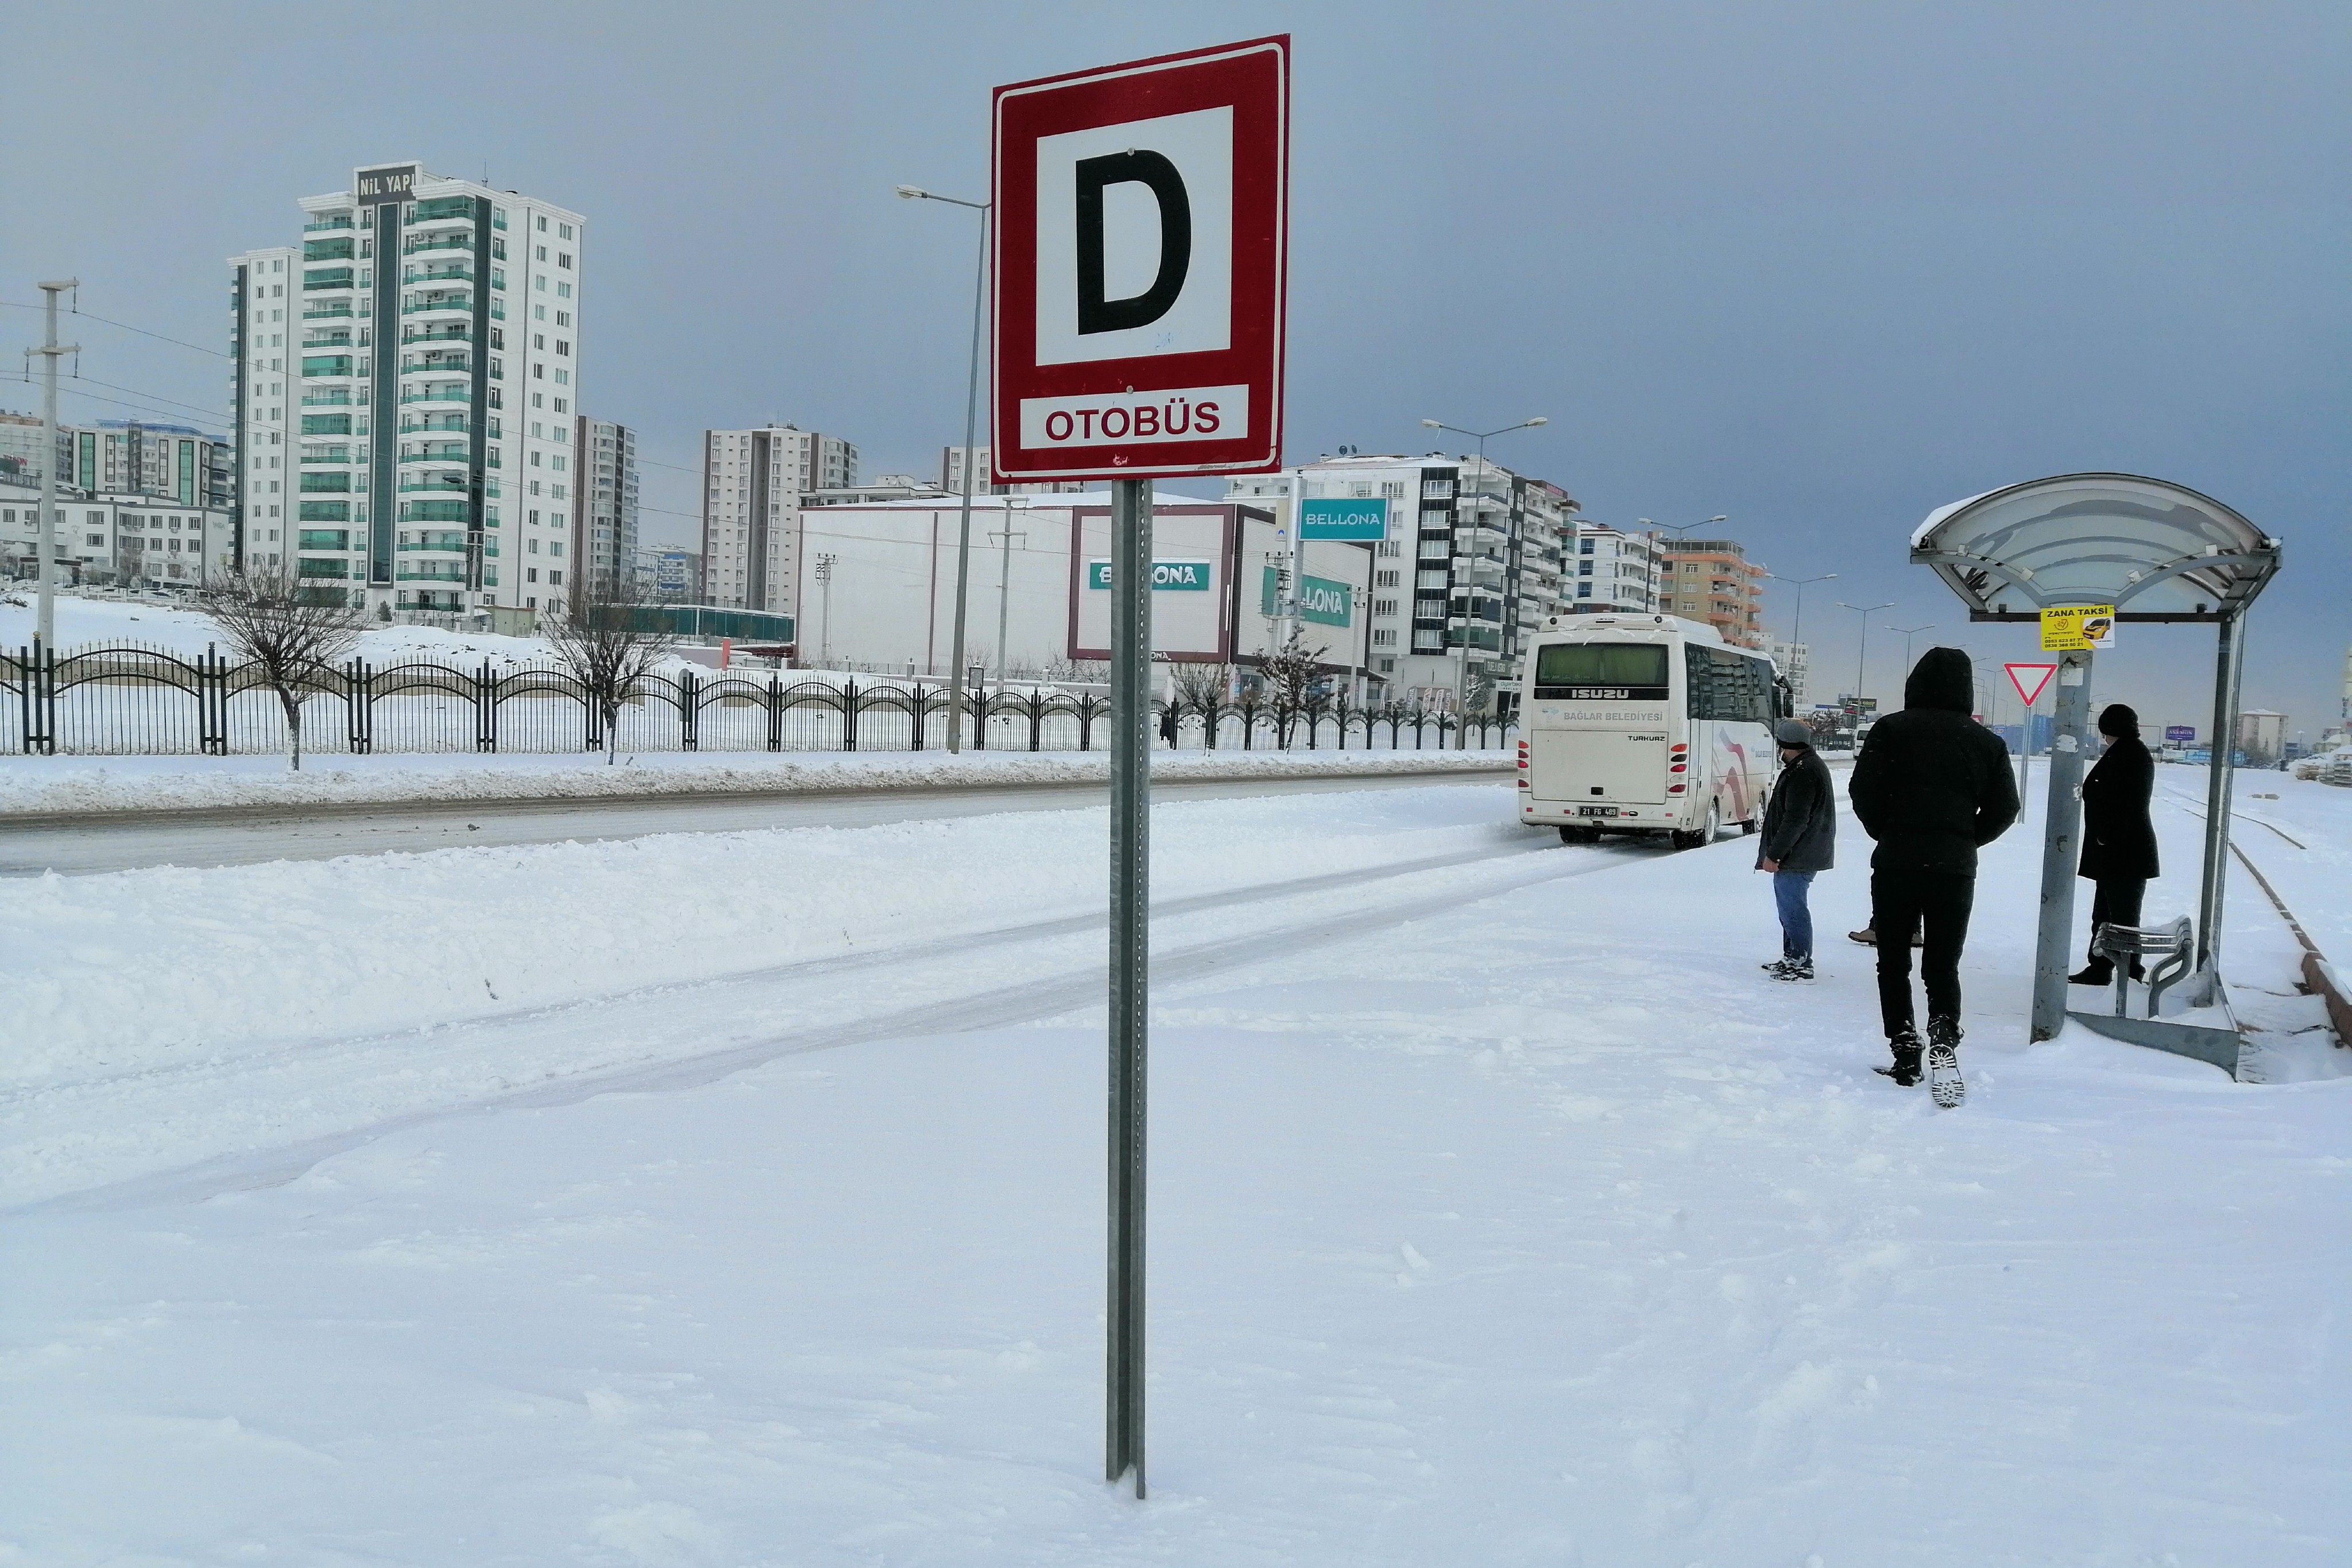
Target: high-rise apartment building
753	482
951	461
1473	557
1714	582
604	504
136	458
407	387
1611	571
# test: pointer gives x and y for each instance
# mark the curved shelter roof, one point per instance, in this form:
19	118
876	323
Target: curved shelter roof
2155	550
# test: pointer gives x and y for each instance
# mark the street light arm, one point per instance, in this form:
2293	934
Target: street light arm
917	193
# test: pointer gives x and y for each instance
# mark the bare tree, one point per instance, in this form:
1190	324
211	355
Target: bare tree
291	634
609	638
1290	674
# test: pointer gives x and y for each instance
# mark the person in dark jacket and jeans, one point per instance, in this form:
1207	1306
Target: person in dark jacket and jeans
1799	840
2118	839
1932	786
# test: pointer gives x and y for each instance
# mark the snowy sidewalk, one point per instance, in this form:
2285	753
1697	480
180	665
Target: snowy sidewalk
1531	1226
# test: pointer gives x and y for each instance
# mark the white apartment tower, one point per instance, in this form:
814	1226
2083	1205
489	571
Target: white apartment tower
604	504
753	482
407	386
1472	558
1611	571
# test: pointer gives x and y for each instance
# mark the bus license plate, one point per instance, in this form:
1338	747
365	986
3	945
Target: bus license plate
1596	810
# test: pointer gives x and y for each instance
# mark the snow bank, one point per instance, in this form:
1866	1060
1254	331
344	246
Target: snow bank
53	786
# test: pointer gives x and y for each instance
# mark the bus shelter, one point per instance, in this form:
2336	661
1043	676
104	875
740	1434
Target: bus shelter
2155	552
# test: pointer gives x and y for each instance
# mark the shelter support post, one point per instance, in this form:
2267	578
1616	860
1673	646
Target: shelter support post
2229	672
2062	840
1130	937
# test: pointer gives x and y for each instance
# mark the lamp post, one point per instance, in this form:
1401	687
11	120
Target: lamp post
1909	633
1462	671
1867	611
970	419
1796	627
1656	529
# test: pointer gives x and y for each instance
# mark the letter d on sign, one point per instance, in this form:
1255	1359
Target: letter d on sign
1096	314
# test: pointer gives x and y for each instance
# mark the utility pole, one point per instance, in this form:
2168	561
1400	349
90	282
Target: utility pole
825	609
1363	598
45	624
1003	588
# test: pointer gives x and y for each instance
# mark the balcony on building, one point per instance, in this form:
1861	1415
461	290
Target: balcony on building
439	304
422	244
326	221
440	213
448	392
446	273
327	279
327	308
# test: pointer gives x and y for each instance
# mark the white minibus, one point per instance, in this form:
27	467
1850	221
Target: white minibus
1644	724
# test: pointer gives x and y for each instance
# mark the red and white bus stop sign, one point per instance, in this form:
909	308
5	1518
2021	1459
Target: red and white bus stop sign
2029	680
1141	234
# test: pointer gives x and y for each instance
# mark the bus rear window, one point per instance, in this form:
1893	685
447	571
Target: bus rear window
1601	664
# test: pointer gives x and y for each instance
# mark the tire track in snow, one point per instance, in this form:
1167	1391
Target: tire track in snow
391	1058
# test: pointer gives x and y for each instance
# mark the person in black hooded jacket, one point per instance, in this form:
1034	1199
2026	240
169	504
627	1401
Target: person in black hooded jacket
1931	786
2118	839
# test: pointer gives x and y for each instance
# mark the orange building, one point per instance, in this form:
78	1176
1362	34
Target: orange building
1713	581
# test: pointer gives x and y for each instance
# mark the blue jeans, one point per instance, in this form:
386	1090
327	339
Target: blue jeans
1788	890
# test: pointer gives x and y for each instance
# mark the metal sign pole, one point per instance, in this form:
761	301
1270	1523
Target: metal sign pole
2061	841
1131	939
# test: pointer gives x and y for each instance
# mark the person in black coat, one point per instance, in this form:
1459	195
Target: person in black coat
1799	842
2118	839
1932	786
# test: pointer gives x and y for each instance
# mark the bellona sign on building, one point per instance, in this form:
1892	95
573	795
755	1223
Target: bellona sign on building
1141	216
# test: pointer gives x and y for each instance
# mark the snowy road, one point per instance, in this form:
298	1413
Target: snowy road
1501	1213
126	841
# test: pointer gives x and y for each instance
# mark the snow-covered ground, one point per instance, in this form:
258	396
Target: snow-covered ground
50	785
1502	1213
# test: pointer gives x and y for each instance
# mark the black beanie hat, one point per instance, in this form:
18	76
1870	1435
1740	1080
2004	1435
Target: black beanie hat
2118	720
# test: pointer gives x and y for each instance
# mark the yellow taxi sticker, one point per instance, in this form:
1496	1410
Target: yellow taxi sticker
2078	626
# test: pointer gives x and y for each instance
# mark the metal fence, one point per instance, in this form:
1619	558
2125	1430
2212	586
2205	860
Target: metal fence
125	700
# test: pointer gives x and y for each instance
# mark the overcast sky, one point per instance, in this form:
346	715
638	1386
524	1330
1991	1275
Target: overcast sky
1819	267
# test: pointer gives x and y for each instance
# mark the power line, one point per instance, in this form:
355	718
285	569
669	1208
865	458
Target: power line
127	327
156	397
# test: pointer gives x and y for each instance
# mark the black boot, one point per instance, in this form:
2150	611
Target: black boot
2097	973
1943	1062
1905	1069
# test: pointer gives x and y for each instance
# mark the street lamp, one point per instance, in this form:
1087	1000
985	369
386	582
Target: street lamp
1797	629
971	419
1462	671
1909	633
1867	611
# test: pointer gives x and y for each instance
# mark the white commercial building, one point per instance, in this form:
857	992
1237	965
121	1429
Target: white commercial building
877	585
1472	556
753	482
407	387
104	537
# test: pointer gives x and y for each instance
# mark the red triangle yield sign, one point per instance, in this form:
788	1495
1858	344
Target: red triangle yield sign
2035	676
